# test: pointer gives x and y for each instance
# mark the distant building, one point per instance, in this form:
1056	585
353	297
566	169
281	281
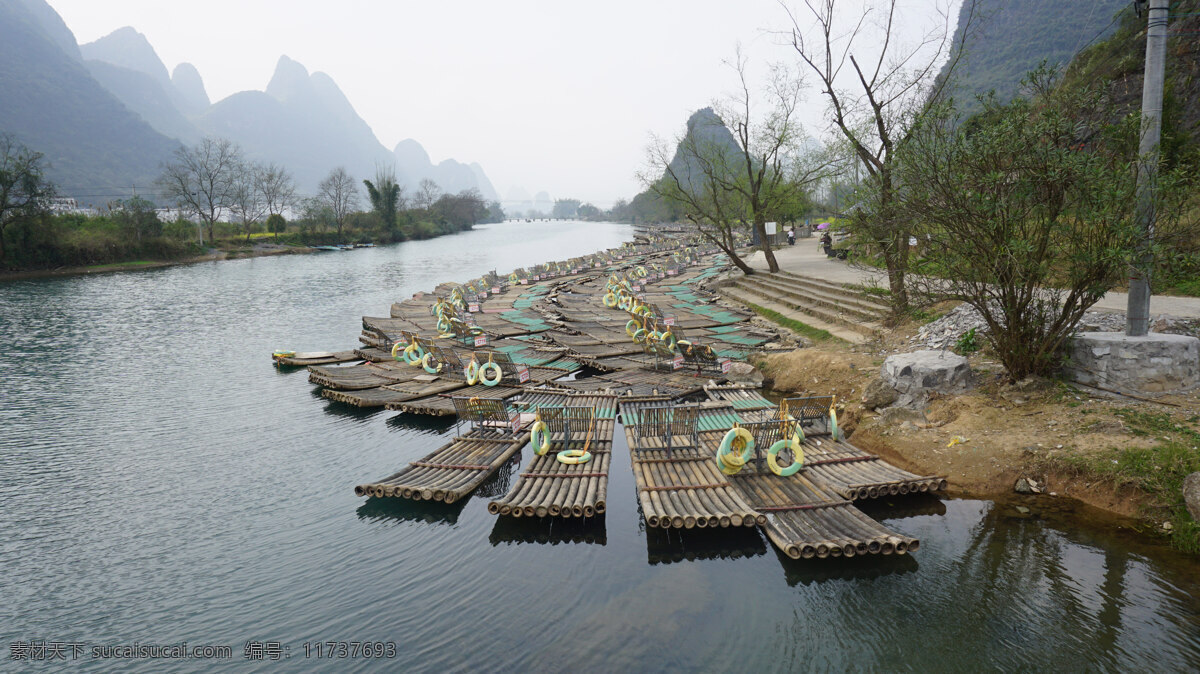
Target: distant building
69	206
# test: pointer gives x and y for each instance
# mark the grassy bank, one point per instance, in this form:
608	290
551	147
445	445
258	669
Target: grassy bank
1157	470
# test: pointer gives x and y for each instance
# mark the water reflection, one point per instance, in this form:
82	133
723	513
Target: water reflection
406	510
809	571
666	546
422	424
549	530
896	507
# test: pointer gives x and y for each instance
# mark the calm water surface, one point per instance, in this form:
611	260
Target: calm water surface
163	482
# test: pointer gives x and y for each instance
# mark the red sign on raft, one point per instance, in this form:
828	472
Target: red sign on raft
725	364
668	321
473	307
516	423
522	374
671	272
495	290
637	288
483	294
480	340
676	362
524	281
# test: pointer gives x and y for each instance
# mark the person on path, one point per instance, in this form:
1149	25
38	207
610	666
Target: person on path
792	235
827	243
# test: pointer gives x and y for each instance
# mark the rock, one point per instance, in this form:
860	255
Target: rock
744	373
897	415
1146	365
1023	510
914	375
1027	486
878	393
1167	526
1191	494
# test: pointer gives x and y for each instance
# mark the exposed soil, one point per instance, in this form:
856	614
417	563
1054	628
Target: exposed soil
1005	431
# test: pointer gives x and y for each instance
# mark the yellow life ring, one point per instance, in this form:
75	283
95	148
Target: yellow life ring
573	457
472	373
610	300
540	437
413	353
639	336
483	369
284	354
426	361
632	326
725	453
797	457
398	350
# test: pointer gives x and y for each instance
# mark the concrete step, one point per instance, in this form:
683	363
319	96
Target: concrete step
853	308
862	326
835	329
879	305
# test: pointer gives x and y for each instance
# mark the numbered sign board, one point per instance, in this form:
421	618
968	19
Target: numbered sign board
480	340
725	364
676	362
473	307
522	374
668	321
495	290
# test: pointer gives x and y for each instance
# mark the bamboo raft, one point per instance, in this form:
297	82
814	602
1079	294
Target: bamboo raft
321	358
452	471
548	487
679	485
855	474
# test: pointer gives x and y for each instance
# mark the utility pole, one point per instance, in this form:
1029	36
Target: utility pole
1137	314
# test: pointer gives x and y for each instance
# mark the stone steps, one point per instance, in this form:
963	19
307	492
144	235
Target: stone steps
838	330
881	308
820	309
841	303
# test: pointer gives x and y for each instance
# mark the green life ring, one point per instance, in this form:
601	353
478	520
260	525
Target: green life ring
540	437
833	426
797	457
413	353
632	326
610	300
483	377
670	340
472	373
639	336
725	453
426	362
398	350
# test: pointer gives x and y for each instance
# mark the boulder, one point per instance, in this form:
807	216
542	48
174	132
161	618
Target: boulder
914	375
1027	486
878	393
1191	494
745	374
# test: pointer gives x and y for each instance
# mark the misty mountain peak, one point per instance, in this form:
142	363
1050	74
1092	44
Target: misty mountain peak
410	152
127	48
190	87
290	80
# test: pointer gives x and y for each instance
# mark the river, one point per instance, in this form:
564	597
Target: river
163	482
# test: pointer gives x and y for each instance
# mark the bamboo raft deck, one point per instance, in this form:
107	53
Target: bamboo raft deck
549	487
443	405
452	471
681	487
318	358
855	474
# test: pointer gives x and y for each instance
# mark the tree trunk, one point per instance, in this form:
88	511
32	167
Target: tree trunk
729	250
760	226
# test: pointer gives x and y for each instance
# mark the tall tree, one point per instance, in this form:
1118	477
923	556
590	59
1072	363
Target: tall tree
385	194
427	193
247	204
740	165
276	186
874	104
202	177
24	191
338	193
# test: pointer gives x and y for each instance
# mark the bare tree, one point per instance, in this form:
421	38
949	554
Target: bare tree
276	186
739	165
247	203
339	193
874	103
24	191
427	193
201	179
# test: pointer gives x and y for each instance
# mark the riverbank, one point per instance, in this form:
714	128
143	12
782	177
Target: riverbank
1125	456
213	255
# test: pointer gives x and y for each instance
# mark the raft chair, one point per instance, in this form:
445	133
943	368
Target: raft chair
667	427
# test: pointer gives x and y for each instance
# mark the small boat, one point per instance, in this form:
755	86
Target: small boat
326	248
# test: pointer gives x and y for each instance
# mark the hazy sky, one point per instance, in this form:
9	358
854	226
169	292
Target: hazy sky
556	96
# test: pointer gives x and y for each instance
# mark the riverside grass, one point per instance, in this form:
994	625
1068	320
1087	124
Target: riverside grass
1158	470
